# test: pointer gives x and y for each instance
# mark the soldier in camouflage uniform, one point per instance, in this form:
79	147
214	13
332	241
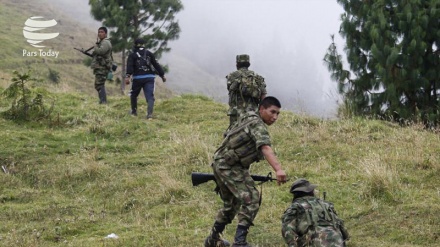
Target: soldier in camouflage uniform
101	63
245	88
247	142
310	221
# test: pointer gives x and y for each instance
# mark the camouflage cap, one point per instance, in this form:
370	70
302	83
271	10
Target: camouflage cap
243	58
302	185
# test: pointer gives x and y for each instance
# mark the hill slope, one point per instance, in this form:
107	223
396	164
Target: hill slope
18	53
77	30
95	170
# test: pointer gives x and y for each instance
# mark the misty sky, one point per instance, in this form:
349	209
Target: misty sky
286	41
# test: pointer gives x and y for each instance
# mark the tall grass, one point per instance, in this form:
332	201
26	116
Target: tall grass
101	171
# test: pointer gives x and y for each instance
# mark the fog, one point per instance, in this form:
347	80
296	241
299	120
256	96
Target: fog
286	41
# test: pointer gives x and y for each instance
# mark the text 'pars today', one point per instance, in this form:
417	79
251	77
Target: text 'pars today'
41	53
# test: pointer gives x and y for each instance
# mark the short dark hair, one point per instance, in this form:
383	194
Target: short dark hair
243	65
270	101
299	194
139	42
103	28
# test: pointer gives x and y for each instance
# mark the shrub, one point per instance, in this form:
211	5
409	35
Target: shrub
26	104
54	76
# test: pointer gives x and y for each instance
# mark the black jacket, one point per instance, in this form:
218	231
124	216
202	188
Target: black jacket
141	62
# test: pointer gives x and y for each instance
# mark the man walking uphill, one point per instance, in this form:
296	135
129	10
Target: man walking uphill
246	143
101	63
141	66
245	88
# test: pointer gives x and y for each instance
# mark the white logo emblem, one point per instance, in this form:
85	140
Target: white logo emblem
33	25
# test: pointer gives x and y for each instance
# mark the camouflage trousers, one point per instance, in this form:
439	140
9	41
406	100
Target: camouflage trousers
100	78
238	192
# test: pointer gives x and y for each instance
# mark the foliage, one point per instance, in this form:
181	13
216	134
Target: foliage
392	48
54	76
105	172
26	104
154	21
151	20
87	61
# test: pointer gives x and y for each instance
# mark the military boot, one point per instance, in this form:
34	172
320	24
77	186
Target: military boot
240	237
215	240
102	96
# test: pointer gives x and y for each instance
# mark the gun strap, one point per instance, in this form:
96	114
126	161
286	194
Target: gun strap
144	57
261	194
269	176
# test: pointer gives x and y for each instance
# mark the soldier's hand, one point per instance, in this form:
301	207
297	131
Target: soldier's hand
281	177
127	80
164	79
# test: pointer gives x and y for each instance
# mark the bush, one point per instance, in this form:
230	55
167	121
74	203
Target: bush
54	76
26	104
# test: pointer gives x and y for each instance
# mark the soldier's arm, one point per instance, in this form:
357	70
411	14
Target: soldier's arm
262	84
340	222
274	163
260	135
345	234
288	226
102	47
130	65
156	65
232	81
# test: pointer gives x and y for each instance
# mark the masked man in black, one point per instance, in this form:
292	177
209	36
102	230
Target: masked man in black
142	68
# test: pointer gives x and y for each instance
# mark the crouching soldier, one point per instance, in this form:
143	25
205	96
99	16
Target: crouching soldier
310	221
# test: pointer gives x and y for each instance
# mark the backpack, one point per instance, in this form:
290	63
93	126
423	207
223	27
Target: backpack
244	87
248	86
323	224
240	145
245	83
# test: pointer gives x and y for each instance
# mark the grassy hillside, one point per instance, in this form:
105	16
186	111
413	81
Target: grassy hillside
69	61
92	170
76	31
73	33
95	170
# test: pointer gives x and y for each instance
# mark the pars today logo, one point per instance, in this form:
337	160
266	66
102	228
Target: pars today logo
34	35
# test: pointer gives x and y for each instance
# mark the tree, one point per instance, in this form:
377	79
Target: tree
27	104
152	20
392	48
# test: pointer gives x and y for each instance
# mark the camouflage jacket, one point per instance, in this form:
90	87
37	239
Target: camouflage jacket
242	143
244	97
102	55
310	221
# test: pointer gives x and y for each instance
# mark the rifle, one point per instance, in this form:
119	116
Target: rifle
200	178
85	52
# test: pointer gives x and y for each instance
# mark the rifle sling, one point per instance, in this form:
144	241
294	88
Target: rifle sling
89	49
261	194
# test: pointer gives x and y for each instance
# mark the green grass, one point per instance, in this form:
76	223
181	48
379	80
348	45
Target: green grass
74	76
91	170
94	170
